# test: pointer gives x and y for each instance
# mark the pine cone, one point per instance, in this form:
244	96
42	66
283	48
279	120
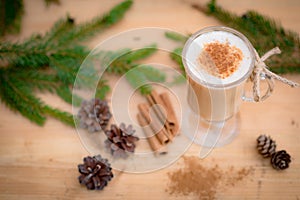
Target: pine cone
280	160
120	140
266	146
94	115
95	172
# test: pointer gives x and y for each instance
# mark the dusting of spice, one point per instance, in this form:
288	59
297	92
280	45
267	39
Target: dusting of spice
220	59
194	178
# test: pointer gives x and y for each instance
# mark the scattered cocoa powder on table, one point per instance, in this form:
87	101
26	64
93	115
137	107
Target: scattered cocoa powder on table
194	178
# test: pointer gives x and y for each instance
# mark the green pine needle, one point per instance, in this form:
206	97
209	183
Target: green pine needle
102	89
141	77
11	15
86	30
138	81
176	37
19	97
177	80
66	94
176	56
125	59
152	74
139	54
49	2
264	33
64	117
50	63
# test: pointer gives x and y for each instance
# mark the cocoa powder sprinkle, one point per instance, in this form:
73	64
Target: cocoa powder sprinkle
220	59
194	178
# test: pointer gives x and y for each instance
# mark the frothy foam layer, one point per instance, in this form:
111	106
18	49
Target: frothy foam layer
196	47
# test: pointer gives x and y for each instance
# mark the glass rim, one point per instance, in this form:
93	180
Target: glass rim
211	29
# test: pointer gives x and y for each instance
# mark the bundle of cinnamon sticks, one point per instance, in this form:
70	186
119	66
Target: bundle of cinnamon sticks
158	120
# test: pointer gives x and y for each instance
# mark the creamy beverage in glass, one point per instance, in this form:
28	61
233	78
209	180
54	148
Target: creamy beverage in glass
218	61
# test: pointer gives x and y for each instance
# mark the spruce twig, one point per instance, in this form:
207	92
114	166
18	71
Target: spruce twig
11	12
102	89
138	81
264	33
64	117
50	63
86	30
37	50
126	61
141	77
49	2
18	96
175	55
176	37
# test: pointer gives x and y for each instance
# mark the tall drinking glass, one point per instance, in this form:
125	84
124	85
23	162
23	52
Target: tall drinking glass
215	101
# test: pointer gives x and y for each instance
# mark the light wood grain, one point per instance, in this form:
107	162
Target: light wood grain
41	162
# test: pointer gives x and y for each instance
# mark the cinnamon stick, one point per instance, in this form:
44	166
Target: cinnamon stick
171	115
153	141
157	103
160	125
155	123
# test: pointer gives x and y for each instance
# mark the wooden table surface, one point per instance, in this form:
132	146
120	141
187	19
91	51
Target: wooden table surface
41	162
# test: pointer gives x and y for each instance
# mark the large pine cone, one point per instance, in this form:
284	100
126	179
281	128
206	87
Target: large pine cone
266	146
95	172
94	115
120	140
280	160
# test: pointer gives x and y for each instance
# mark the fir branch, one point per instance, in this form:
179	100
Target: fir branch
139	54
86	30
152	74
66	94
50	63
176	56
19	97
37	50
264	33
23	55
58	29
124	60
141	76
49	2
64	117
65	68
11	12
108	60
138	80
35	79
179	79
176	37
102	89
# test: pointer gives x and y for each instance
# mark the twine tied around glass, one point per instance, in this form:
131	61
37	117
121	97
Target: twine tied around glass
262	72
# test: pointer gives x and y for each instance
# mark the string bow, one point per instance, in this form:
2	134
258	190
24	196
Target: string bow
261	71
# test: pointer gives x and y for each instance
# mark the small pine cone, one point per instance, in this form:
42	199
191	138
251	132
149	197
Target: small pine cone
95	172
280	160
94	115
120	140
266	146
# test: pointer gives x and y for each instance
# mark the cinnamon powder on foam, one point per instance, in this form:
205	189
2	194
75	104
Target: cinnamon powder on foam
220	59
204	182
